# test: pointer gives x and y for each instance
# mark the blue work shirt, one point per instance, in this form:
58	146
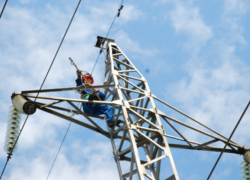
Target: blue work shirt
98	109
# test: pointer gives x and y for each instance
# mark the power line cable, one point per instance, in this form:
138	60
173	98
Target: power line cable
3	8
61	144
58	150
95	62
117	15
229	140
9	154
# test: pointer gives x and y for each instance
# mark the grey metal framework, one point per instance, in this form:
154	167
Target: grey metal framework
139	137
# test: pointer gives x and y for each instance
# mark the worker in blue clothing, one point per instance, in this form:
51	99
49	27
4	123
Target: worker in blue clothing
91	108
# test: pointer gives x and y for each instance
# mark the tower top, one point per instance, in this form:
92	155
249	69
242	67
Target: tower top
101	41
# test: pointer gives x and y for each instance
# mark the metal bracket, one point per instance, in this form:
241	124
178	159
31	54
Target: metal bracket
101	41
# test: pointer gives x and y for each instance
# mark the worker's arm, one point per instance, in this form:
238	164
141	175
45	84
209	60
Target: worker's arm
79	82
79	74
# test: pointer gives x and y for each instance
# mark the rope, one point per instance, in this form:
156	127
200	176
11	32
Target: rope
117	15
9	154
228	140
3	8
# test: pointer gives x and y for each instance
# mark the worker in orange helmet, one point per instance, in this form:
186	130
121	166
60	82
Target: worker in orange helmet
86	94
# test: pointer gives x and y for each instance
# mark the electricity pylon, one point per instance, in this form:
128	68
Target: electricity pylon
139	136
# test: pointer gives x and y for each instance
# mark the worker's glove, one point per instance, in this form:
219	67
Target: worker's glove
79	73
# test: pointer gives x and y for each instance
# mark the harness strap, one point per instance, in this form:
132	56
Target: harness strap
85	96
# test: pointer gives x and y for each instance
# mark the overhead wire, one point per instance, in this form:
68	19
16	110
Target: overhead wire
58	151
3	8
117	15
61	144
228	140
9	154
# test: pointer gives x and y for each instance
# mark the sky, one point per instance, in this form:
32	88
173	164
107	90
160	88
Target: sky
194	55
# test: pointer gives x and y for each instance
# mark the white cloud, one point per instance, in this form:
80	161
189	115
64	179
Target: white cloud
26	1
216	96
136	51
234	10
225	173
236	6
187	19
130	13
127	44
97	163
40	127
3	129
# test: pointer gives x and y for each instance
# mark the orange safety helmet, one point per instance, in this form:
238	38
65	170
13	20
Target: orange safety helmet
88	76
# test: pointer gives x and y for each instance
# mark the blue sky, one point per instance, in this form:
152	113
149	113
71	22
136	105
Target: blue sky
194	55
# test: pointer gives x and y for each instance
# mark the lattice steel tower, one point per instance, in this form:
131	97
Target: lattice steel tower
138	136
